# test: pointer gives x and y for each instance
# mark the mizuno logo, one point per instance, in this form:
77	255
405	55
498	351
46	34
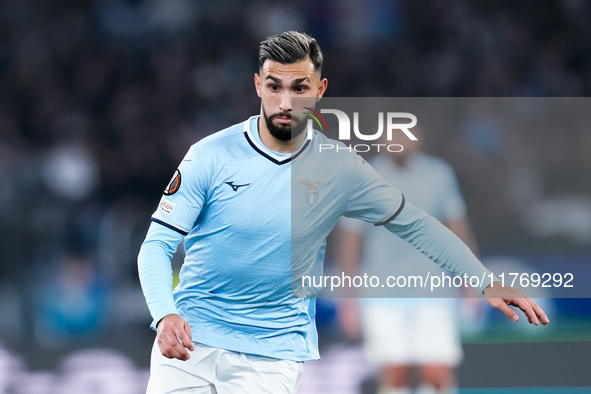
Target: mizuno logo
235	187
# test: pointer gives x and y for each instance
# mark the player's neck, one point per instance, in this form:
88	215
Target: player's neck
277	145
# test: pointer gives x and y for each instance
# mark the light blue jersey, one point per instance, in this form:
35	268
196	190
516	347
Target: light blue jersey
232	198
255	221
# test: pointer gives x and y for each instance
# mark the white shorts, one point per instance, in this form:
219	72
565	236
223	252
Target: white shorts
411	331
212	370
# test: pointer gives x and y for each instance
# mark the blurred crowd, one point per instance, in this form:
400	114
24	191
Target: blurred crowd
100	100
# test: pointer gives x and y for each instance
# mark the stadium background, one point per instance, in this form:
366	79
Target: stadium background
99	101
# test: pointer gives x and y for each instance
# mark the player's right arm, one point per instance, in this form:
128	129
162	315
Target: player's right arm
155	272
174	218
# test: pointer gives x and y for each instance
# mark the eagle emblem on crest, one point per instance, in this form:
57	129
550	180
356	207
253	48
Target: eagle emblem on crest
312	190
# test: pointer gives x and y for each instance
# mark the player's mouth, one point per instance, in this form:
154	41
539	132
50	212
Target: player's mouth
283	119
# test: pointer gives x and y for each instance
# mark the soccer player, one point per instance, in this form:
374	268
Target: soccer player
398	332
231	325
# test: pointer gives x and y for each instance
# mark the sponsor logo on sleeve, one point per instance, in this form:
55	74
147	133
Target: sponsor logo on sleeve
165	206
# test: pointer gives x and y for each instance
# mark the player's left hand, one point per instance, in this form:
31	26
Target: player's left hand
500	297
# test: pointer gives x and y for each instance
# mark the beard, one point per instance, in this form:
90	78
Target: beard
284	132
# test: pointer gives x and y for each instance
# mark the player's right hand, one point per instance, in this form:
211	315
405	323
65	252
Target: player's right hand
174	337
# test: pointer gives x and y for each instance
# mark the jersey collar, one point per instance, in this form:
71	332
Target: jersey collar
275	157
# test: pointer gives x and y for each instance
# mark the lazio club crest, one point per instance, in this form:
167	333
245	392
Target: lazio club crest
312	190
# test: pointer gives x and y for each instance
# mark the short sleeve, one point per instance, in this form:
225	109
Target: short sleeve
371	198
185	195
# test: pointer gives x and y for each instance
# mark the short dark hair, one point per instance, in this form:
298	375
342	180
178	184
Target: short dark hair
291	47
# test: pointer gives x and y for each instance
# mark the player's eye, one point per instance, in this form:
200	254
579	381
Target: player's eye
274	88
300	88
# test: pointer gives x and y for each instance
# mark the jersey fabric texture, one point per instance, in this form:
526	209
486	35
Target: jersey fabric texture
234	200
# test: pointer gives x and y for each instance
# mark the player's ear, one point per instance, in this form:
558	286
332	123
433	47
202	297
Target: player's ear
322	88
257	83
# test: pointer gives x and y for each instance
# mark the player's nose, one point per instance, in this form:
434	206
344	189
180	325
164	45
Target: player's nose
285	101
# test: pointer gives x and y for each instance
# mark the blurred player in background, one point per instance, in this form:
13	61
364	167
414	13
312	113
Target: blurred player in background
403	332
232	325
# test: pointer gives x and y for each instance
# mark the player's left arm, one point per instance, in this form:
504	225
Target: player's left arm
498	297
462	228
373	200
442	246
